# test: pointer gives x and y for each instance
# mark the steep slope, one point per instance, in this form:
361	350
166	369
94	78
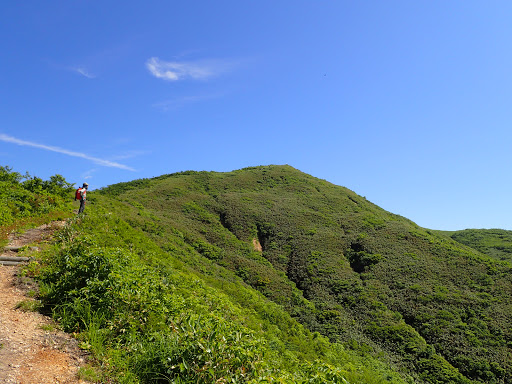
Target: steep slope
339	264
148	318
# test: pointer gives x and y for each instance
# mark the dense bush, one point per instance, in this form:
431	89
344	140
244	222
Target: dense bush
26	196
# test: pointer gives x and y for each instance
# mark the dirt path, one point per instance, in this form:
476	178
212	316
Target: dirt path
32	351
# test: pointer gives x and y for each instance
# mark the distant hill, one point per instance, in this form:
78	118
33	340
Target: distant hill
496	243
435	310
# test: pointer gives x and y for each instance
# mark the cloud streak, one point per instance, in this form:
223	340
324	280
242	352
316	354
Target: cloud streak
84	72
102	162
196	70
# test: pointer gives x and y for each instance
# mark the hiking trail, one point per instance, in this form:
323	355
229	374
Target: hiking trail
32	350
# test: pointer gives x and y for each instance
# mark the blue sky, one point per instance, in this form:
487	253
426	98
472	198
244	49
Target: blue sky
407	103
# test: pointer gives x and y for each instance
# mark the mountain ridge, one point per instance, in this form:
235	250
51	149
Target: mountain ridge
356	263
267	274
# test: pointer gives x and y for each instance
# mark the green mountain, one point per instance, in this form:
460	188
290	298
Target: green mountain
267	274
340	265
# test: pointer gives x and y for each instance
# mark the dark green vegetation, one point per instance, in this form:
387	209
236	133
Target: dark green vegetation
496	243
160	279
341	266
147	317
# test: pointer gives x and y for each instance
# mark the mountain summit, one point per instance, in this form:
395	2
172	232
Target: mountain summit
342	266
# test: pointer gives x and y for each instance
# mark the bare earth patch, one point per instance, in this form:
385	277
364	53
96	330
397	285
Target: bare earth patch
29	354
256	244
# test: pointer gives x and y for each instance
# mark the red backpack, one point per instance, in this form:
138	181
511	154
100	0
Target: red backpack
78	195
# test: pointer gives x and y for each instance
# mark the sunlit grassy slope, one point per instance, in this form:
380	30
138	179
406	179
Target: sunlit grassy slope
148	318
168	314
373	281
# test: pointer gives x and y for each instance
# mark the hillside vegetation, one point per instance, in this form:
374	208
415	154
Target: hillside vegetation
496	243
26	199
267	274
370	280
147	317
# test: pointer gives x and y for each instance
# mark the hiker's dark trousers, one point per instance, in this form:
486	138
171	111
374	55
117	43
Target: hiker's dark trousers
82	206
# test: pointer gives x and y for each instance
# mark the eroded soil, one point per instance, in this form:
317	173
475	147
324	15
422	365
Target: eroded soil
32	350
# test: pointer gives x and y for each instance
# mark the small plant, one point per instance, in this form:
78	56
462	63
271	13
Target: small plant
29	305
50	327
89	373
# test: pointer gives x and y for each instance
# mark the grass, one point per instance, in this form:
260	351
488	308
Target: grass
49	327
90	373
29	305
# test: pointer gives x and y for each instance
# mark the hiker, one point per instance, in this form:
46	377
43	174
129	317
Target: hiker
81	194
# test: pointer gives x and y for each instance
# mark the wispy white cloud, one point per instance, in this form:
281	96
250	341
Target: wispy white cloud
102	162
78	69
89	174
84	72
197	70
